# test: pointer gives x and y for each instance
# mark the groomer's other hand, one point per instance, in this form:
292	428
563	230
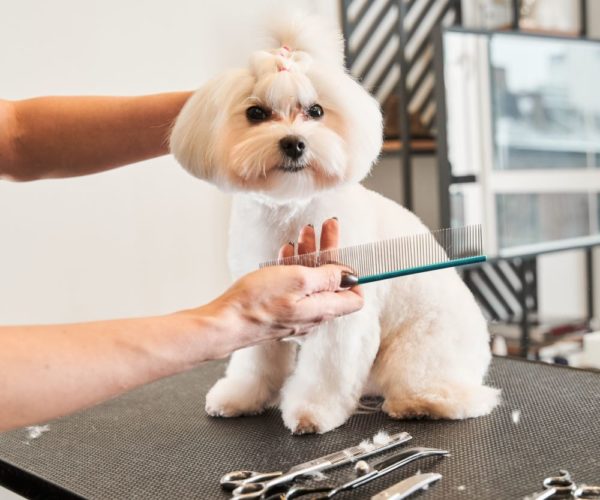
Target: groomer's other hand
280	301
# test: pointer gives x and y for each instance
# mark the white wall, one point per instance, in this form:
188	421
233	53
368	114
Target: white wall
146	239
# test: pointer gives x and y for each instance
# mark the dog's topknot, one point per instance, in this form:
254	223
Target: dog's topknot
308	33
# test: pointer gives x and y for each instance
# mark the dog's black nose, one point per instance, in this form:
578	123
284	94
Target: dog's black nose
292	146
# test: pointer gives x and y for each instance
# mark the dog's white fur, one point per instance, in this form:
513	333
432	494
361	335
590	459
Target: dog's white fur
420	341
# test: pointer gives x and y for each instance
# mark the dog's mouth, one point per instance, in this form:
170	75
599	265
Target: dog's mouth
292	167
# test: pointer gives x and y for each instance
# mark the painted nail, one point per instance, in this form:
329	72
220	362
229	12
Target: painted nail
348	280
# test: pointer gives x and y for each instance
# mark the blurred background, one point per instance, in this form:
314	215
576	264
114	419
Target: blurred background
492	116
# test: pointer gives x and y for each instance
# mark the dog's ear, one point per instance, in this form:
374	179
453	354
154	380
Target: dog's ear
308	33
196	129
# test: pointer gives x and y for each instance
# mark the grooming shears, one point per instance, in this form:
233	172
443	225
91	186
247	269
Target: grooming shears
253	484
363	473
562	486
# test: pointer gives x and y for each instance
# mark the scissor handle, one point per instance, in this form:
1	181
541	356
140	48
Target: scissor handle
237	478
253	489
563	484
587	492
249	490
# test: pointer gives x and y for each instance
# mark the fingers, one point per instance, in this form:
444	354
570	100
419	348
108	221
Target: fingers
306	241
307	244
286	251
327	278
330	234
325	306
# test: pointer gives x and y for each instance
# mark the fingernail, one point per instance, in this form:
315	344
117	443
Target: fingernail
348	280
311	226
334	218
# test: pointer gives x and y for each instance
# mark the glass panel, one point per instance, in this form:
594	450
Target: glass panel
529	218
598	213
465	59
457	209
546	113
465	204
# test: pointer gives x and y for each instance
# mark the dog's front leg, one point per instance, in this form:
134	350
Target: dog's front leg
252	381
331	372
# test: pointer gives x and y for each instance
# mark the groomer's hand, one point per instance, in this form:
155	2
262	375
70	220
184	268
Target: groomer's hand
280	301
51	370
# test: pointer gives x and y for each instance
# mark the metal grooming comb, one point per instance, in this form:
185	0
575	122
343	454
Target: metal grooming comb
412	254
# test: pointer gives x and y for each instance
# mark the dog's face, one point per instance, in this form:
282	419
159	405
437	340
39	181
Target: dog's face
287	126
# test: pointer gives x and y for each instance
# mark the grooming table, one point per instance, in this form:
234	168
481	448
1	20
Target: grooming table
157	442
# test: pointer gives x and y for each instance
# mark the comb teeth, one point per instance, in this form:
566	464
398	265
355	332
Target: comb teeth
400	256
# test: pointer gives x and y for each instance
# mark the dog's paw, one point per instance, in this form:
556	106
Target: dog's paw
447	402
306	424
233	397
309	418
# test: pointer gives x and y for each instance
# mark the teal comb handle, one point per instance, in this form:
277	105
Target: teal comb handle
422	269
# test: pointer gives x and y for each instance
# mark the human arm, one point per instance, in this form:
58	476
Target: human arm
49	371
53	137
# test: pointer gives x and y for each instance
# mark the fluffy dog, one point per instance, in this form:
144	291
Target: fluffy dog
292	135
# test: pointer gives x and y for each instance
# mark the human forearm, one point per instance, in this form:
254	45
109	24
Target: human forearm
50	137
49	371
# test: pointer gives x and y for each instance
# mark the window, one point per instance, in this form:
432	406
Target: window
546	107
525	121
526	219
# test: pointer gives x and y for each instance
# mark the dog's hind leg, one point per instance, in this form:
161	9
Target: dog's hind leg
441	399
252	381
333	365
423	370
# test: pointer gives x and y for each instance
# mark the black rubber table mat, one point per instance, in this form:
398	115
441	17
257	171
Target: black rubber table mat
157	442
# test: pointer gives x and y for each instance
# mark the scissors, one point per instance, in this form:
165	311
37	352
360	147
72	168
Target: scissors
253	484
363	473
562	486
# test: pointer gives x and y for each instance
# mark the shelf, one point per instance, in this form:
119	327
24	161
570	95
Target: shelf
532	30
549	32
509	30
391	146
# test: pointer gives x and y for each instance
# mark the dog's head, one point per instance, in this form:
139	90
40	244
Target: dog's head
290	124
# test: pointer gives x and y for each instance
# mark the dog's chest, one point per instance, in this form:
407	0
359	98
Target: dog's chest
257	232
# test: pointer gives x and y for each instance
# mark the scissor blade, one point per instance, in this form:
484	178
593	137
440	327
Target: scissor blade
542	495
405	488
410	455
387	465
354	453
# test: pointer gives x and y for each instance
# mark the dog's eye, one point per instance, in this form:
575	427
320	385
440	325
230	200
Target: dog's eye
257	114
315	111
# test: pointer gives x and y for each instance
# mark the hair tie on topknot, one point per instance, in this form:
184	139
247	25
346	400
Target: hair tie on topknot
284	52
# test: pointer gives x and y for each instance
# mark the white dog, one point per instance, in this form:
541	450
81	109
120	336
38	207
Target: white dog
292	135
